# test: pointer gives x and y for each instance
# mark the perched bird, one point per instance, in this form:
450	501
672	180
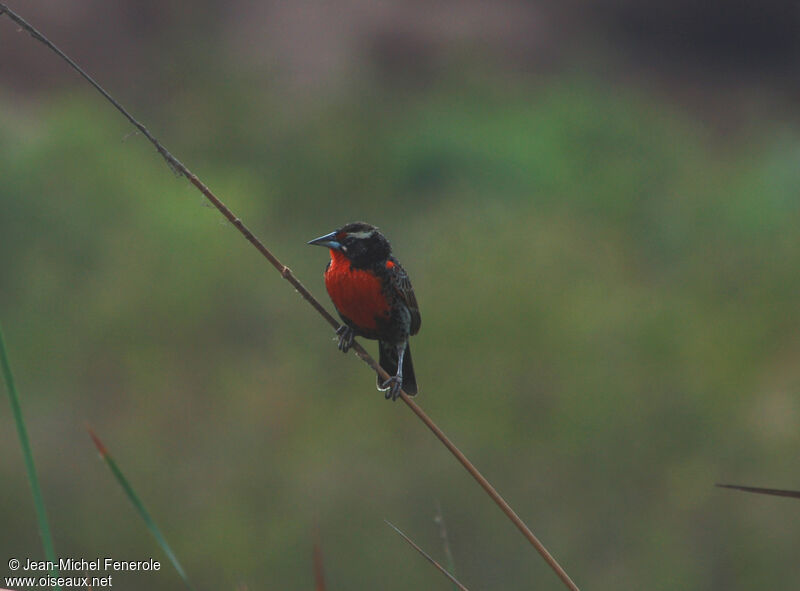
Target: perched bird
374	297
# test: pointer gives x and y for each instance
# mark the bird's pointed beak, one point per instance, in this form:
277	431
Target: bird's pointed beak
328	241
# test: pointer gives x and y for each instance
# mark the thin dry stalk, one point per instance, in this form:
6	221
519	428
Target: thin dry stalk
427	557
319	571
287	274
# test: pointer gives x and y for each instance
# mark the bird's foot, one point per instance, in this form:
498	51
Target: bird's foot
392	387
346	337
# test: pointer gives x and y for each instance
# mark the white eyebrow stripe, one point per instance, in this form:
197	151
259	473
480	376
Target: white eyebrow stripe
359	235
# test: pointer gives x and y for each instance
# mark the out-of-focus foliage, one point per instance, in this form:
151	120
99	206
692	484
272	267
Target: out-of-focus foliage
610	320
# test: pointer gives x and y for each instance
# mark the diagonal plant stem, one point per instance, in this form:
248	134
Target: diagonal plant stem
287	274
427	557
775	492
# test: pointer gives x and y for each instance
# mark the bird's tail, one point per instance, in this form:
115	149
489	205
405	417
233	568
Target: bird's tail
388	361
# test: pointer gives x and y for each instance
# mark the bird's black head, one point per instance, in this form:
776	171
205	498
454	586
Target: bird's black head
361	243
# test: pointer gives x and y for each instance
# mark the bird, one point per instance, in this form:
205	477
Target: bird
374	298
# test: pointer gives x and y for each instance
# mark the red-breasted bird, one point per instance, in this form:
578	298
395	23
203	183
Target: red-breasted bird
374	297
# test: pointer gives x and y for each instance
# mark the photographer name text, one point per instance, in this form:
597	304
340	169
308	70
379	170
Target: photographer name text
90	565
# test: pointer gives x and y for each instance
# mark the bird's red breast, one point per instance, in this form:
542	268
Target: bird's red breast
357	293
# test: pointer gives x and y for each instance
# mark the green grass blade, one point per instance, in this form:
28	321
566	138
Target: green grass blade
137	503
30	467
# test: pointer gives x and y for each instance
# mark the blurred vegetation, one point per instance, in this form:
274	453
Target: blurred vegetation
609	294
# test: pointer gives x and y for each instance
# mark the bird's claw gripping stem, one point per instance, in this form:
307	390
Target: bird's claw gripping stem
346	337
392	387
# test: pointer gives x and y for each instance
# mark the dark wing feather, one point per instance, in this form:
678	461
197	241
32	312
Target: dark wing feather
402	285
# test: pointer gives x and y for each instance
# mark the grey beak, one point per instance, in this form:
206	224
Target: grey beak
328	241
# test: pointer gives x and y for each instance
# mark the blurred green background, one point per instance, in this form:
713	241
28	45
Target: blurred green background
597	204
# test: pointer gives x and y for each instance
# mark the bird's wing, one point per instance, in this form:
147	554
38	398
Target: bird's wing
403	288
